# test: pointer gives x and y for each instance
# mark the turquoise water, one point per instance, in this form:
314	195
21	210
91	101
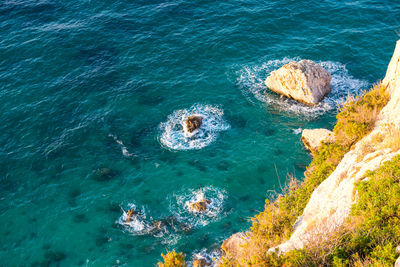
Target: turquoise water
92	93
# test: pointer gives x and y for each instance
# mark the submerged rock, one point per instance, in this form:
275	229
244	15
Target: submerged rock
185	228
314	138
233	246
193	123
200	263
200	205
104	174
304	81
158	225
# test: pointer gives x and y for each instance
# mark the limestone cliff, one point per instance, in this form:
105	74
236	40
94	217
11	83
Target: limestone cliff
331	201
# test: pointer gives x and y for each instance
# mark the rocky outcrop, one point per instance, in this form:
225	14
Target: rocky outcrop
200	205
200	263
233	246
314	138
304	81
130	215
397	263
193	123
331	201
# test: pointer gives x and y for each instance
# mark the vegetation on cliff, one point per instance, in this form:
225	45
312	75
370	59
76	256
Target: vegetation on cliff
173	259
368	238
373	229
275	224
357	117
355	243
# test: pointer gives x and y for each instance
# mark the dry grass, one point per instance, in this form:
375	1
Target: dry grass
358	115
365	149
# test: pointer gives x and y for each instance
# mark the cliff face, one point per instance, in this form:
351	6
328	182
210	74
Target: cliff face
331	202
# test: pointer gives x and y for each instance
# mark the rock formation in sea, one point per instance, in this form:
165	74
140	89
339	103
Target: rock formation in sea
304	81
314	138
193	123
331	201
200	205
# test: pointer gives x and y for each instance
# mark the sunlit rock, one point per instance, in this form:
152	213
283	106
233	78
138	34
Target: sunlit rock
193	123
304	81
200	205
314	138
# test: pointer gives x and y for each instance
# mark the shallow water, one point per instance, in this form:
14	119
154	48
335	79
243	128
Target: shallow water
87	85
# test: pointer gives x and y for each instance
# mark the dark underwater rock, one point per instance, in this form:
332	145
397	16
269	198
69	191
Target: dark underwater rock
104	174
223	165
55	256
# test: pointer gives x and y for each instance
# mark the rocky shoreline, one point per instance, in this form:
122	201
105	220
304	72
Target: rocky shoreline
331	201
347	155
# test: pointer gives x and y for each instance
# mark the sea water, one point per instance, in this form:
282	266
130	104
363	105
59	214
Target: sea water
94	96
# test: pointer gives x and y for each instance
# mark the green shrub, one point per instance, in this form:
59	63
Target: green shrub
358	115
376	217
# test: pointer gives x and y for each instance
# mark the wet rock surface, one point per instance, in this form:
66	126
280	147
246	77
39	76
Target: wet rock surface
193	123
200	205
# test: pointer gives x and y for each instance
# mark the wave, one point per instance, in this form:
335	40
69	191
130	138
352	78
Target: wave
124	149
137	222
176	137
297	131
180	205
251	81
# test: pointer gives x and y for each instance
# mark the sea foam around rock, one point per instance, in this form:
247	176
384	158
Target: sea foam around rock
210	256
140	224
137	224
215	210
251	78
174	135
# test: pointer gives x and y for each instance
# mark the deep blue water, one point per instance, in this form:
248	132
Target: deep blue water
92	93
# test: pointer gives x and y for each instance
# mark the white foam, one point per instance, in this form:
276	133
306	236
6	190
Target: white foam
174	135
211	257
297	131
179	205
172	239
124	150
251	81
137	224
